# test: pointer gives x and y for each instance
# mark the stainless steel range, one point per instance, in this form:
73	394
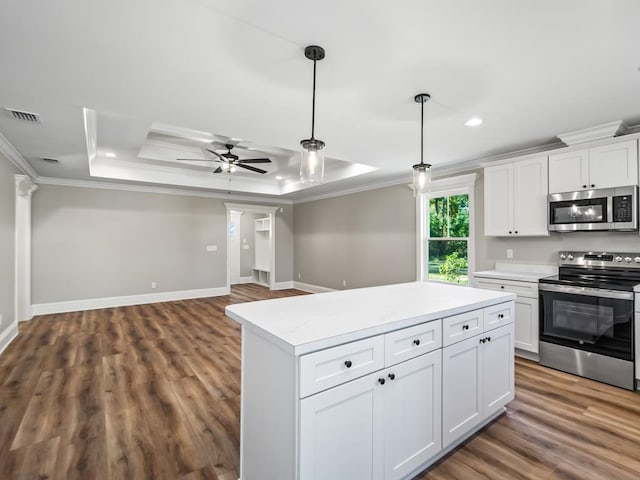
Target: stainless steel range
586	316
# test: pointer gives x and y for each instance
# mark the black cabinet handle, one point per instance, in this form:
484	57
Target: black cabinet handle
488	339
501	315
502	286
392	376
592	185
482	340
381	381
509	232
416	342
584	186
348	364
516	231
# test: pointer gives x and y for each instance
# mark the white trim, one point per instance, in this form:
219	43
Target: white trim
110	302
450	183
24	189
284	285
307	287
244	280
65	182
12	332
16	158
358	189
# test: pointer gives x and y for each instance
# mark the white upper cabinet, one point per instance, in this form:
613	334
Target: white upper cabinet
607	166
515	198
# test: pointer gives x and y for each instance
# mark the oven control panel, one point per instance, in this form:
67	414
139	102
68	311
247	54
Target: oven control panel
600	259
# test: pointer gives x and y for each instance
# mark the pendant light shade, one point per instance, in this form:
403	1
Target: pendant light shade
312	160
421	171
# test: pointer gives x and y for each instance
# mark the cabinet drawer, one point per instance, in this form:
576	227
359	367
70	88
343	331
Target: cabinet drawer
333	366
411	342
498	315
460	327
524	289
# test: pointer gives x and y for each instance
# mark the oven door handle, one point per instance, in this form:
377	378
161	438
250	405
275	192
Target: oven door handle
592	292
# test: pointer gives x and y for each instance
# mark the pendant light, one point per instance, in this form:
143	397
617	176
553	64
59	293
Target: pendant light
421	171
312	161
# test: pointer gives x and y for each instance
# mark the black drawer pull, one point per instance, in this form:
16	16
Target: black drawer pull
381	381
348	364
488	339
392	376
482	340
416	342
465	327
501	315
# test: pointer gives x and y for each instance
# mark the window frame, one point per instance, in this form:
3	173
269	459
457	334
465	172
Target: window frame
459	185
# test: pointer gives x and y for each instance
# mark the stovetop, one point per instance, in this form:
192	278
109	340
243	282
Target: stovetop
608	271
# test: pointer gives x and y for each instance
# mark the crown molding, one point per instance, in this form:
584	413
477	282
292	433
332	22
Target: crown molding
65	182
16	158
361	188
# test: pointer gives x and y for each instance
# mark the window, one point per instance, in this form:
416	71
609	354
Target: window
445	252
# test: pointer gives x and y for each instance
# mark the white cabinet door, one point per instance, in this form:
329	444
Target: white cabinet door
497	369
461	388
530	188
614	165
498	200
413	423
342	432
526	324
569	172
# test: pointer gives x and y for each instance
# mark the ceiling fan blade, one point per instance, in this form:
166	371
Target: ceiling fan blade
255	160
217	154
218	170
249	167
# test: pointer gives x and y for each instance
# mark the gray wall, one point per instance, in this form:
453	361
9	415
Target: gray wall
366	238
95	243
7	244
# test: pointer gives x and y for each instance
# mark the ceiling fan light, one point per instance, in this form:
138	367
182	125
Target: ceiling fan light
421	179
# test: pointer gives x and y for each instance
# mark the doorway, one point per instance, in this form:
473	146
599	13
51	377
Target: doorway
250	244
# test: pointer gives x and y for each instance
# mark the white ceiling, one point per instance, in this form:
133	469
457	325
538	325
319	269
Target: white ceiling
236	69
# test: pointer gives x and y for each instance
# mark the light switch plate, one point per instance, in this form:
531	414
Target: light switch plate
509	252
212	248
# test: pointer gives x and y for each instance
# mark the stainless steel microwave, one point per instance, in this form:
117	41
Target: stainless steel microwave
599	209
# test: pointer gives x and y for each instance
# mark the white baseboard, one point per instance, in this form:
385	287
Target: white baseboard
283	285
109	302
307	287
8	336
243	280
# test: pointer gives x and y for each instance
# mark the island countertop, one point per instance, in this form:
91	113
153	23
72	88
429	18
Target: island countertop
307	323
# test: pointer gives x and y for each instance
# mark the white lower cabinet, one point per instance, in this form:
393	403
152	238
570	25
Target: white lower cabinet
479	375
384	425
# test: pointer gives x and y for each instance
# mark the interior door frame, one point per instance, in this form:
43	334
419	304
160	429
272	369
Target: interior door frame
251	208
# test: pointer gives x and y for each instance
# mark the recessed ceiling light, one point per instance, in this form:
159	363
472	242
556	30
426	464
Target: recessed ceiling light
279	177
110	155
473	122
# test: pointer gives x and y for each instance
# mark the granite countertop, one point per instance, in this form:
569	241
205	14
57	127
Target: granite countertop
307	323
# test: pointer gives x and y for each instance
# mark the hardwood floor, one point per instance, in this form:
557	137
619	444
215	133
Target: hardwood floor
153	392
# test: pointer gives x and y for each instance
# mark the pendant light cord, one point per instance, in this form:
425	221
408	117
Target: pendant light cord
422	134
313	103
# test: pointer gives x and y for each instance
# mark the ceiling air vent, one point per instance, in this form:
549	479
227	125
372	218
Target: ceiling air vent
52	161
23	116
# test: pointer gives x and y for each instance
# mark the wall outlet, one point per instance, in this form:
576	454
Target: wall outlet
509	252
153	285
344	283
212	248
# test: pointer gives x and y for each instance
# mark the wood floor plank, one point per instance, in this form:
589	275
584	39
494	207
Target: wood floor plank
153	392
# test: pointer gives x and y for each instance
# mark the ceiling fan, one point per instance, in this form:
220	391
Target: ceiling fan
230	161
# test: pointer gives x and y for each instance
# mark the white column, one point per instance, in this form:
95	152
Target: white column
24	189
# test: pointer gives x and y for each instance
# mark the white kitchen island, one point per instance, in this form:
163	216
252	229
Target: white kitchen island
372	383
